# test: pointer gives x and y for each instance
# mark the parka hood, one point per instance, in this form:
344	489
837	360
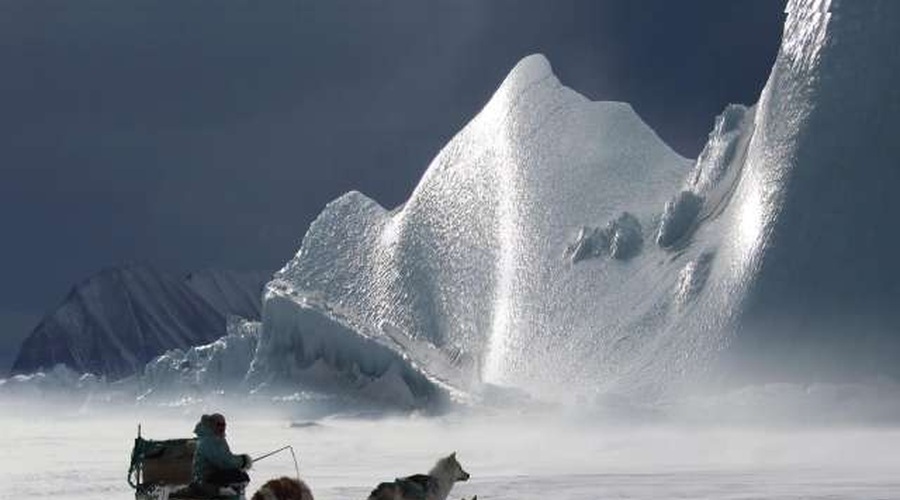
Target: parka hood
202	429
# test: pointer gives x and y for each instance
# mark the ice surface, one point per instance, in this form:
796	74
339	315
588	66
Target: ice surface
84	457
722	151
218	366
622	238
679	215
309	346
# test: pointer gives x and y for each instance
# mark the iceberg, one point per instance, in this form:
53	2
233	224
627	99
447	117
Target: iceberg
471	265
219	366
818	181
768	246
556	249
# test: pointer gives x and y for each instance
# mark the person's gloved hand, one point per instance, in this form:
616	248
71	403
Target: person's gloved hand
248	462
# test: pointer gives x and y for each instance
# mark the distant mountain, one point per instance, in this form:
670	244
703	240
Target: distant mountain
116	321
231	292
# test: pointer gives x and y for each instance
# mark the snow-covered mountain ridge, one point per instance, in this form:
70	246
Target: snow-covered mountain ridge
116	321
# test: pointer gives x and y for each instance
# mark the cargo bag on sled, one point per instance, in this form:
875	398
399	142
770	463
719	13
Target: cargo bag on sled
156	464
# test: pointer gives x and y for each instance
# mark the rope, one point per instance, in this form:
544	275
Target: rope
296	466
288	447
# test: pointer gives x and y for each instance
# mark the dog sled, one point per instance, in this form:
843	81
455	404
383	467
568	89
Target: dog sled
161	470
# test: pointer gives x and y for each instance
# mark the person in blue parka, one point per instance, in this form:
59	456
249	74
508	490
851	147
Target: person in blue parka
214	464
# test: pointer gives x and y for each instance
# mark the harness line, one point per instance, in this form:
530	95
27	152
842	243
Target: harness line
288	447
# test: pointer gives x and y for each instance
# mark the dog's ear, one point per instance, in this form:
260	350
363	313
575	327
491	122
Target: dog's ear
453	455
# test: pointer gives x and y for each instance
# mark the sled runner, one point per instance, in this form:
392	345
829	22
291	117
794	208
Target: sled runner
161	470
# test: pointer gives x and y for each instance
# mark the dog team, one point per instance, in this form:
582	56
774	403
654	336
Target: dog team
216	470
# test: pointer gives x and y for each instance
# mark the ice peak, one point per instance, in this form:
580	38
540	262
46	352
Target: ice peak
525	74
530	69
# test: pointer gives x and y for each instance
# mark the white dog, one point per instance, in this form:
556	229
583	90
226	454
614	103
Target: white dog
435	485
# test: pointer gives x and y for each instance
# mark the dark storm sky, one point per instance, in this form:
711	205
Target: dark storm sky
208	134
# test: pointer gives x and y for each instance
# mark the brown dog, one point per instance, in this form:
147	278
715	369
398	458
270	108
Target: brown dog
283	488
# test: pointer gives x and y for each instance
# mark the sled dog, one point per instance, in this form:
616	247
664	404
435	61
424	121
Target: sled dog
435	485
283	488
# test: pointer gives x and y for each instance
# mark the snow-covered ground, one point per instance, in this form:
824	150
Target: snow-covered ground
86	456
